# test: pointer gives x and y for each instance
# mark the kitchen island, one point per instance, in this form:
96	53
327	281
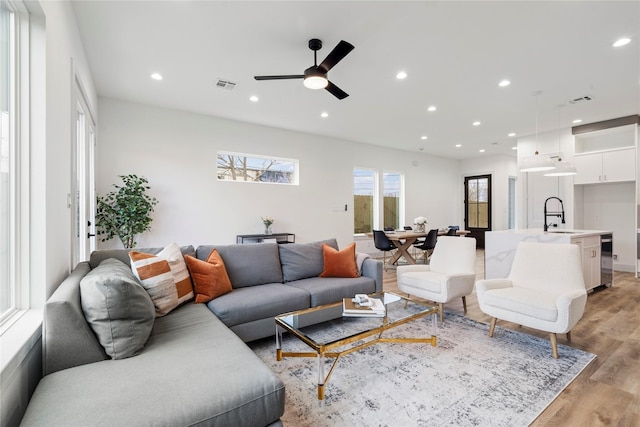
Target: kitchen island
500	248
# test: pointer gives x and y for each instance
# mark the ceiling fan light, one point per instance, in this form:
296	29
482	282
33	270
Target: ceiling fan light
316	82
537	163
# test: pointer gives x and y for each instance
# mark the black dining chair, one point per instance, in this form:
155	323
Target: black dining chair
382	243
452	230
428	244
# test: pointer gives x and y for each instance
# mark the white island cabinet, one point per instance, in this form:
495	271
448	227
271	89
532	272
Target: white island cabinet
500	248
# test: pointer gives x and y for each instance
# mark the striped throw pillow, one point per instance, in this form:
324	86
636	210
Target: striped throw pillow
164	276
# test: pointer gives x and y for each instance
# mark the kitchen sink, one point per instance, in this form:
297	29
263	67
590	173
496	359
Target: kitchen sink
564	232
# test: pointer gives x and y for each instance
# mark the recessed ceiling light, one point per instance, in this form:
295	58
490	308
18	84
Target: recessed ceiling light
432	108
324	114
458	145
254	98
514	148
481	150
156	76
423	137
401	75
476	123
621	42
577	121
512	134
504	83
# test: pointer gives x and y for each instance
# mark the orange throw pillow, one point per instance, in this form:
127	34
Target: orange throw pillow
339	263
210	278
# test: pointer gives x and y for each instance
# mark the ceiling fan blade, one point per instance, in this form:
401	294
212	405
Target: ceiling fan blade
336	91
291	76
340	51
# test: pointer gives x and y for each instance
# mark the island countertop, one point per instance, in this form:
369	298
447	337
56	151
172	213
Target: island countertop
555	231
500	246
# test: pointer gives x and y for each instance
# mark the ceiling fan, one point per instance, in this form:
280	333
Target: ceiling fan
315	77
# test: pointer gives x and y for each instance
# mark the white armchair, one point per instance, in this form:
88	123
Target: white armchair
450	274
545	290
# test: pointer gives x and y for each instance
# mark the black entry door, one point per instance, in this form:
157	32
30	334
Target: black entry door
477	206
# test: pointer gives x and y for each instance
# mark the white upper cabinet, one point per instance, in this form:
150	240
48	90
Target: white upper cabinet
606	155
607	166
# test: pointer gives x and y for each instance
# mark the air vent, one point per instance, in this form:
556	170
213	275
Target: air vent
225	84
581	99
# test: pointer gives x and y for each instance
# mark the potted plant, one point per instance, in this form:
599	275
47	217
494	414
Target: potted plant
125	212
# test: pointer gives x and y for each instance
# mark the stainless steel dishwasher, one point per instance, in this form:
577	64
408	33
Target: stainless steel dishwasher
606	259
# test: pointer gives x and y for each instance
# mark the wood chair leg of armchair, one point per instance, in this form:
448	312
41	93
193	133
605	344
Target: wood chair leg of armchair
464	304
554	344
441	312
492	327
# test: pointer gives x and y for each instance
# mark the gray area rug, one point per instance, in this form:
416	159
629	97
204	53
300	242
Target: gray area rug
469	379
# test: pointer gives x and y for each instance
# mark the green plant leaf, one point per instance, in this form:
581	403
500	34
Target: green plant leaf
125	212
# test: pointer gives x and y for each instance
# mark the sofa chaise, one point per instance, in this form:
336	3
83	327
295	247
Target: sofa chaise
194	368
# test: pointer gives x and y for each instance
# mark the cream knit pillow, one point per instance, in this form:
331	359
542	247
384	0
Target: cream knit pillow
164	276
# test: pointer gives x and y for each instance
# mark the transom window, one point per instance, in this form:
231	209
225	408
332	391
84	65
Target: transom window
255	168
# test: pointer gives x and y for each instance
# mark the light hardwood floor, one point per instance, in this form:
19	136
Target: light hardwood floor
607	392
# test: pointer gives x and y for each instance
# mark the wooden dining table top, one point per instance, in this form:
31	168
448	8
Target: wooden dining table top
395	235
408	234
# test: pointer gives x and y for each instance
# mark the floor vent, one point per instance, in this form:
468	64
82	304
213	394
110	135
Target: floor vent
581	99
225	84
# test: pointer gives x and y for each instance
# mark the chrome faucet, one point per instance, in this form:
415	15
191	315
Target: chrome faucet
556	214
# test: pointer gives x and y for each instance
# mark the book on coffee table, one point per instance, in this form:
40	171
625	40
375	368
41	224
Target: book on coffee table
353	309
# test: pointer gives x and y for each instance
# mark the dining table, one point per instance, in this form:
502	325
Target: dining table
404	239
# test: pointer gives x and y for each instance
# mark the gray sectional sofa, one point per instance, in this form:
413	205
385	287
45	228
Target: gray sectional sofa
194	368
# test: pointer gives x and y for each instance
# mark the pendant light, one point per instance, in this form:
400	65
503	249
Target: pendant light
538	162
563	168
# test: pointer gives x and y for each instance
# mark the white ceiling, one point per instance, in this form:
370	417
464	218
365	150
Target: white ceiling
454	53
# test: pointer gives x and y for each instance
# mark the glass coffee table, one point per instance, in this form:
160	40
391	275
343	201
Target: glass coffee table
331	335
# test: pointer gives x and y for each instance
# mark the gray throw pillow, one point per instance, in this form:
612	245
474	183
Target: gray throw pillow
117	308
303	260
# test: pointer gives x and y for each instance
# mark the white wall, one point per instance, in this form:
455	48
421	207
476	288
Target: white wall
501	168
63	46
176	152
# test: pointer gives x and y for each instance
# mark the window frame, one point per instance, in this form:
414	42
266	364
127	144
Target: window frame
378	197
19	181
401	198
374	203
294	162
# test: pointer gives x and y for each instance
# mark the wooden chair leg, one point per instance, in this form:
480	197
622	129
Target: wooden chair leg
464	304
492	327
554	345
441	312
569	336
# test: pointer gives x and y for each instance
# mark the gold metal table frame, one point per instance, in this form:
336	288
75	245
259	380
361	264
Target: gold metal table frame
331	349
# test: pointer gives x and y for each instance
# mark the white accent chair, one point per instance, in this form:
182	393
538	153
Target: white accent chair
545	290
450	274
